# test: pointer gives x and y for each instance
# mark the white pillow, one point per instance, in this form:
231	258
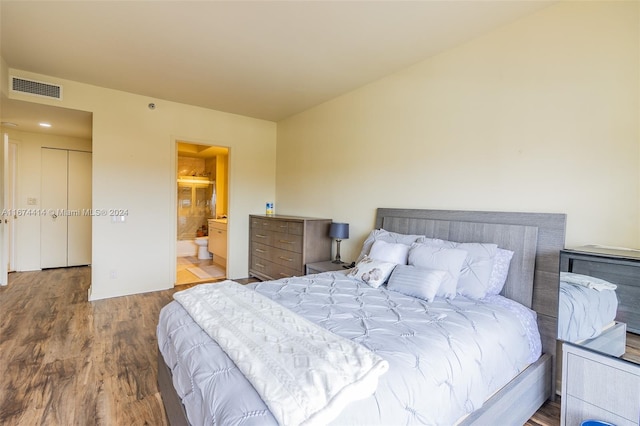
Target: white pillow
416	282
371	271
389	252
500	271
476	269
442	259
390	237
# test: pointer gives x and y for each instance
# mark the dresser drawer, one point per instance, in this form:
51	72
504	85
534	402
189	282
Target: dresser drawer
581	410
280	271
270	225
600	382
271	270
276	255
288	242
262	236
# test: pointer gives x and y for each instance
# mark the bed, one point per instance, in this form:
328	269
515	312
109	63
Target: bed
372	318
587	307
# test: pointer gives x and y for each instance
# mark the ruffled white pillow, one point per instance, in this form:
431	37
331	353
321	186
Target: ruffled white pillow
441	259
390	252
390	237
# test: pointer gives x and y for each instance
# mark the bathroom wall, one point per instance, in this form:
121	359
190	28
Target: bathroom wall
194	198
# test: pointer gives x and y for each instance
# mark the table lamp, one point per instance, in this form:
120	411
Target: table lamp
339	231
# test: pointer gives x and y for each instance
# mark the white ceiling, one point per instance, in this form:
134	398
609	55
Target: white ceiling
263	59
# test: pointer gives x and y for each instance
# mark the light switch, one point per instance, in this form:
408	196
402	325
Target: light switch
32	201
118	219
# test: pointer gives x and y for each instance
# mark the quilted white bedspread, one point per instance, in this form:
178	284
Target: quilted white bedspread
304	373
445	358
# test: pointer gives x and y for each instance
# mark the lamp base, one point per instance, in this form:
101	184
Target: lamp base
337	261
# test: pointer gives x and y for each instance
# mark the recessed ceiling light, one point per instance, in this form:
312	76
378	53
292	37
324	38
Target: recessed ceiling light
9	124
44	124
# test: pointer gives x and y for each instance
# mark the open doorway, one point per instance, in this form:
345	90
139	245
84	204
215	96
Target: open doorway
34	129
202	212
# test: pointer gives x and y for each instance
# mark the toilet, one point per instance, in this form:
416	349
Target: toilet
203	250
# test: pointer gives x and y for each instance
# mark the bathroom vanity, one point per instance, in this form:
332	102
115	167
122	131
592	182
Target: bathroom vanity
218	240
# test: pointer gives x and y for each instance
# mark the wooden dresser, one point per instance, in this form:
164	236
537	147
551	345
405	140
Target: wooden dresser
281	246
600	387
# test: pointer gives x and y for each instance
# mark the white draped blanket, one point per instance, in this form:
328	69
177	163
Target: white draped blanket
304	373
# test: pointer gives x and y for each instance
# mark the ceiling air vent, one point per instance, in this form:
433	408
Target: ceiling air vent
37	88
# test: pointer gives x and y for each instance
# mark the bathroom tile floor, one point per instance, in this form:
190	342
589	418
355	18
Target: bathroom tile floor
184	276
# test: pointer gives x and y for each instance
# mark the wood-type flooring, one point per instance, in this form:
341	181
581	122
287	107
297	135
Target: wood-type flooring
67	361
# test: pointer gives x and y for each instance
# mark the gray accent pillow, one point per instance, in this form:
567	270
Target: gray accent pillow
416	282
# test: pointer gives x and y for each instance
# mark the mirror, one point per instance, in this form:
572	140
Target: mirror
599	300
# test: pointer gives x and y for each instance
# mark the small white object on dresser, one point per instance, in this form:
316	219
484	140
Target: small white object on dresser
599	387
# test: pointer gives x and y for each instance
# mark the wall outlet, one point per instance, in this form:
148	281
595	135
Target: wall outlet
32	201
113	274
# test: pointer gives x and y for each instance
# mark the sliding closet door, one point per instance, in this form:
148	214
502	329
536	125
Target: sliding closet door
65	230
53	225
79	200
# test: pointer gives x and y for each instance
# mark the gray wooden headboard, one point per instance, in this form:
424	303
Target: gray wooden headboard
536	239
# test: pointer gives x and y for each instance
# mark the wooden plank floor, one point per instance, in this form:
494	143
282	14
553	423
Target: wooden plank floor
68	361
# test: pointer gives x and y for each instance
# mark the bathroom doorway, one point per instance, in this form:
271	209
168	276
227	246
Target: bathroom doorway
202	212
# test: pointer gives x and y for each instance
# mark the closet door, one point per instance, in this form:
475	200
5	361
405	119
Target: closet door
79	200
53	225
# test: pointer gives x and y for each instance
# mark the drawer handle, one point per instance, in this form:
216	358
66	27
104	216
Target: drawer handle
261	236
287	242
259	265
286	258
283	226
261	251
282	274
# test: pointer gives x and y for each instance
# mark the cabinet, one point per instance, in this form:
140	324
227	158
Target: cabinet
218	241
598	387
280	246
65	229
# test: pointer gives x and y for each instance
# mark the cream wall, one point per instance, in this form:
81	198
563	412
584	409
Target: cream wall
133	168
541	115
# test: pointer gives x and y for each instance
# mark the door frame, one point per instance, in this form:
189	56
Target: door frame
173	176
4	218
12	201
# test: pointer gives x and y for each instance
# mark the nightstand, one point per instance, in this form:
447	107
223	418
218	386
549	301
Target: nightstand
326	266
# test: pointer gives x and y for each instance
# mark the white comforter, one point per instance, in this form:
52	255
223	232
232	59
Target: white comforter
445	358
304	373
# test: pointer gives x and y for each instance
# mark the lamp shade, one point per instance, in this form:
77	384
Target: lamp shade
339	230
